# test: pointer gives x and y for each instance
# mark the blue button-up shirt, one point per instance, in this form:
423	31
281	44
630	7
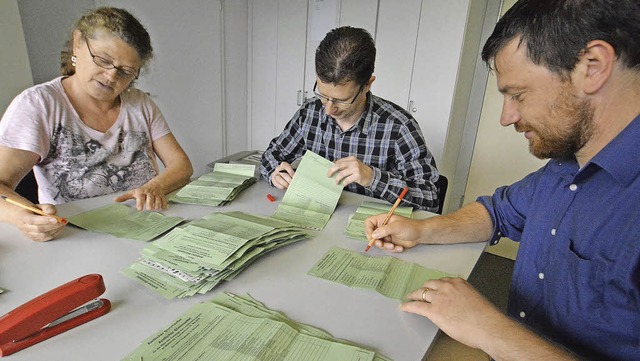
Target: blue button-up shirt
576	279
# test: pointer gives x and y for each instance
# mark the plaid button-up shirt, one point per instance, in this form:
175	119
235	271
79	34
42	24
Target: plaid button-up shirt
386	138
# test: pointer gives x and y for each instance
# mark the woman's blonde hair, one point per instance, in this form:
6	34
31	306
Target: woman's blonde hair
117	22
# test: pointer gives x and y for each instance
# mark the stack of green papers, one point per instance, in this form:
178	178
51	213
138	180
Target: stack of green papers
312	196
240	328
198	256
123	222
355	226
219	187
387	275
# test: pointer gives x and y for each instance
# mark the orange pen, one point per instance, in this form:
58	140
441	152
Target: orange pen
395	205
34	210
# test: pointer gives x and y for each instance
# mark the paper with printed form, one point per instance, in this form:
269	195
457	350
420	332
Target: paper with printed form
387	275
196	257
124	222
355	225
312	196
219	187
231	327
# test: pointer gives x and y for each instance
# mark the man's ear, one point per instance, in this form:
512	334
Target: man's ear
599	58
368	85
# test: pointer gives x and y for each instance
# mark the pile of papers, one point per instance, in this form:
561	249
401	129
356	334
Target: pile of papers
240	328
196	257
218	187
312	196
355	226
387	275
123	222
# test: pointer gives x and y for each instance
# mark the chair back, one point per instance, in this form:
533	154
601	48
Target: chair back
28	187
442	183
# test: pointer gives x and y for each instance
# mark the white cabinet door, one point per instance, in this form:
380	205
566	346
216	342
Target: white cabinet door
435	71
277	58
396	34
290	64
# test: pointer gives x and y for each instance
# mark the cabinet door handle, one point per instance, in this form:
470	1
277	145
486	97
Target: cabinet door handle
411	107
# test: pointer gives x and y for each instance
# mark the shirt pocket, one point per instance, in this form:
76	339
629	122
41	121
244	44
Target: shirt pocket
580	282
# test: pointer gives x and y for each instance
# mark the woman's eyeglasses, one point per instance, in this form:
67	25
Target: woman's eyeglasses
123	72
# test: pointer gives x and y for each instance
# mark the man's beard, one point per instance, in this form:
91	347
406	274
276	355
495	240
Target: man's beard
569	128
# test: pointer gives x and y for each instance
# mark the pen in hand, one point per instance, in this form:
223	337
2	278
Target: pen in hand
34	210
395	205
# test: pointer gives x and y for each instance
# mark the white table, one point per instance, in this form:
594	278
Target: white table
279	280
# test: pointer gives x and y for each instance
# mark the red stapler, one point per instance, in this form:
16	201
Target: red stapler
53	313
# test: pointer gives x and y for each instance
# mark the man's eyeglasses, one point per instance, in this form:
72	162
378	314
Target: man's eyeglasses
123	72
325	99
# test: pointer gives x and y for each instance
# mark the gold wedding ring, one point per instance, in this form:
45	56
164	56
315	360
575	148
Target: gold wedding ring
424	293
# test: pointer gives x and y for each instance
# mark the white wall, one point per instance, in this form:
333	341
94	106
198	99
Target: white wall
47	27
15	72
500	157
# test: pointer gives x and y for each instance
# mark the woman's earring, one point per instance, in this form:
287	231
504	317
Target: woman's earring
73	60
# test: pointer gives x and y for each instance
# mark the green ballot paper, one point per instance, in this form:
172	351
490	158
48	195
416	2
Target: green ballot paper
312	196
240	328
124	222
355	226
196	257
388	275
217	188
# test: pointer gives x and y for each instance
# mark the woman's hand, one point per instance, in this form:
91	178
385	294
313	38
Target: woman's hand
150	197
36	227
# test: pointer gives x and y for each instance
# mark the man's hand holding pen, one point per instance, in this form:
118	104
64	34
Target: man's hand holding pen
282	175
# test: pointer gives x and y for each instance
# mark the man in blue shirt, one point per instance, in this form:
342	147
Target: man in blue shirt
570	74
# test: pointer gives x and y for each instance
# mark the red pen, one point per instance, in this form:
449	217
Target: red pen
271	198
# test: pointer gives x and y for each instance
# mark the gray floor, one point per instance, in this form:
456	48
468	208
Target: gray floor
491	276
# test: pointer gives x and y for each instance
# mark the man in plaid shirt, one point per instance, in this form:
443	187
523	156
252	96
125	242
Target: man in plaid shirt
377	147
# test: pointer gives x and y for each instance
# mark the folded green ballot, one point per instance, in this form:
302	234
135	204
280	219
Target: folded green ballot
312	196
196	257
355	225
218	187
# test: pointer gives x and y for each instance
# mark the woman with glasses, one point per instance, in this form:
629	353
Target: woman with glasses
377	147
90	132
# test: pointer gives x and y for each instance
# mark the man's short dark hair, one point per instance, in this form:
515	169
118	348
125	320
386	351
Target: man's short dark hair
346	54
555	32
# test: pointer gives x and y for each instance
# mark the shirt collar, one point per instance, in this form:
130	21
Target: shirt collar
366	119
621	157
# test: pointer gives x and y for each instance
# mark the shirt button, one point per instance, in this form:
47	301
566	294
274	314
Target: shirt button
522	314
541	275
553	232
573	187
